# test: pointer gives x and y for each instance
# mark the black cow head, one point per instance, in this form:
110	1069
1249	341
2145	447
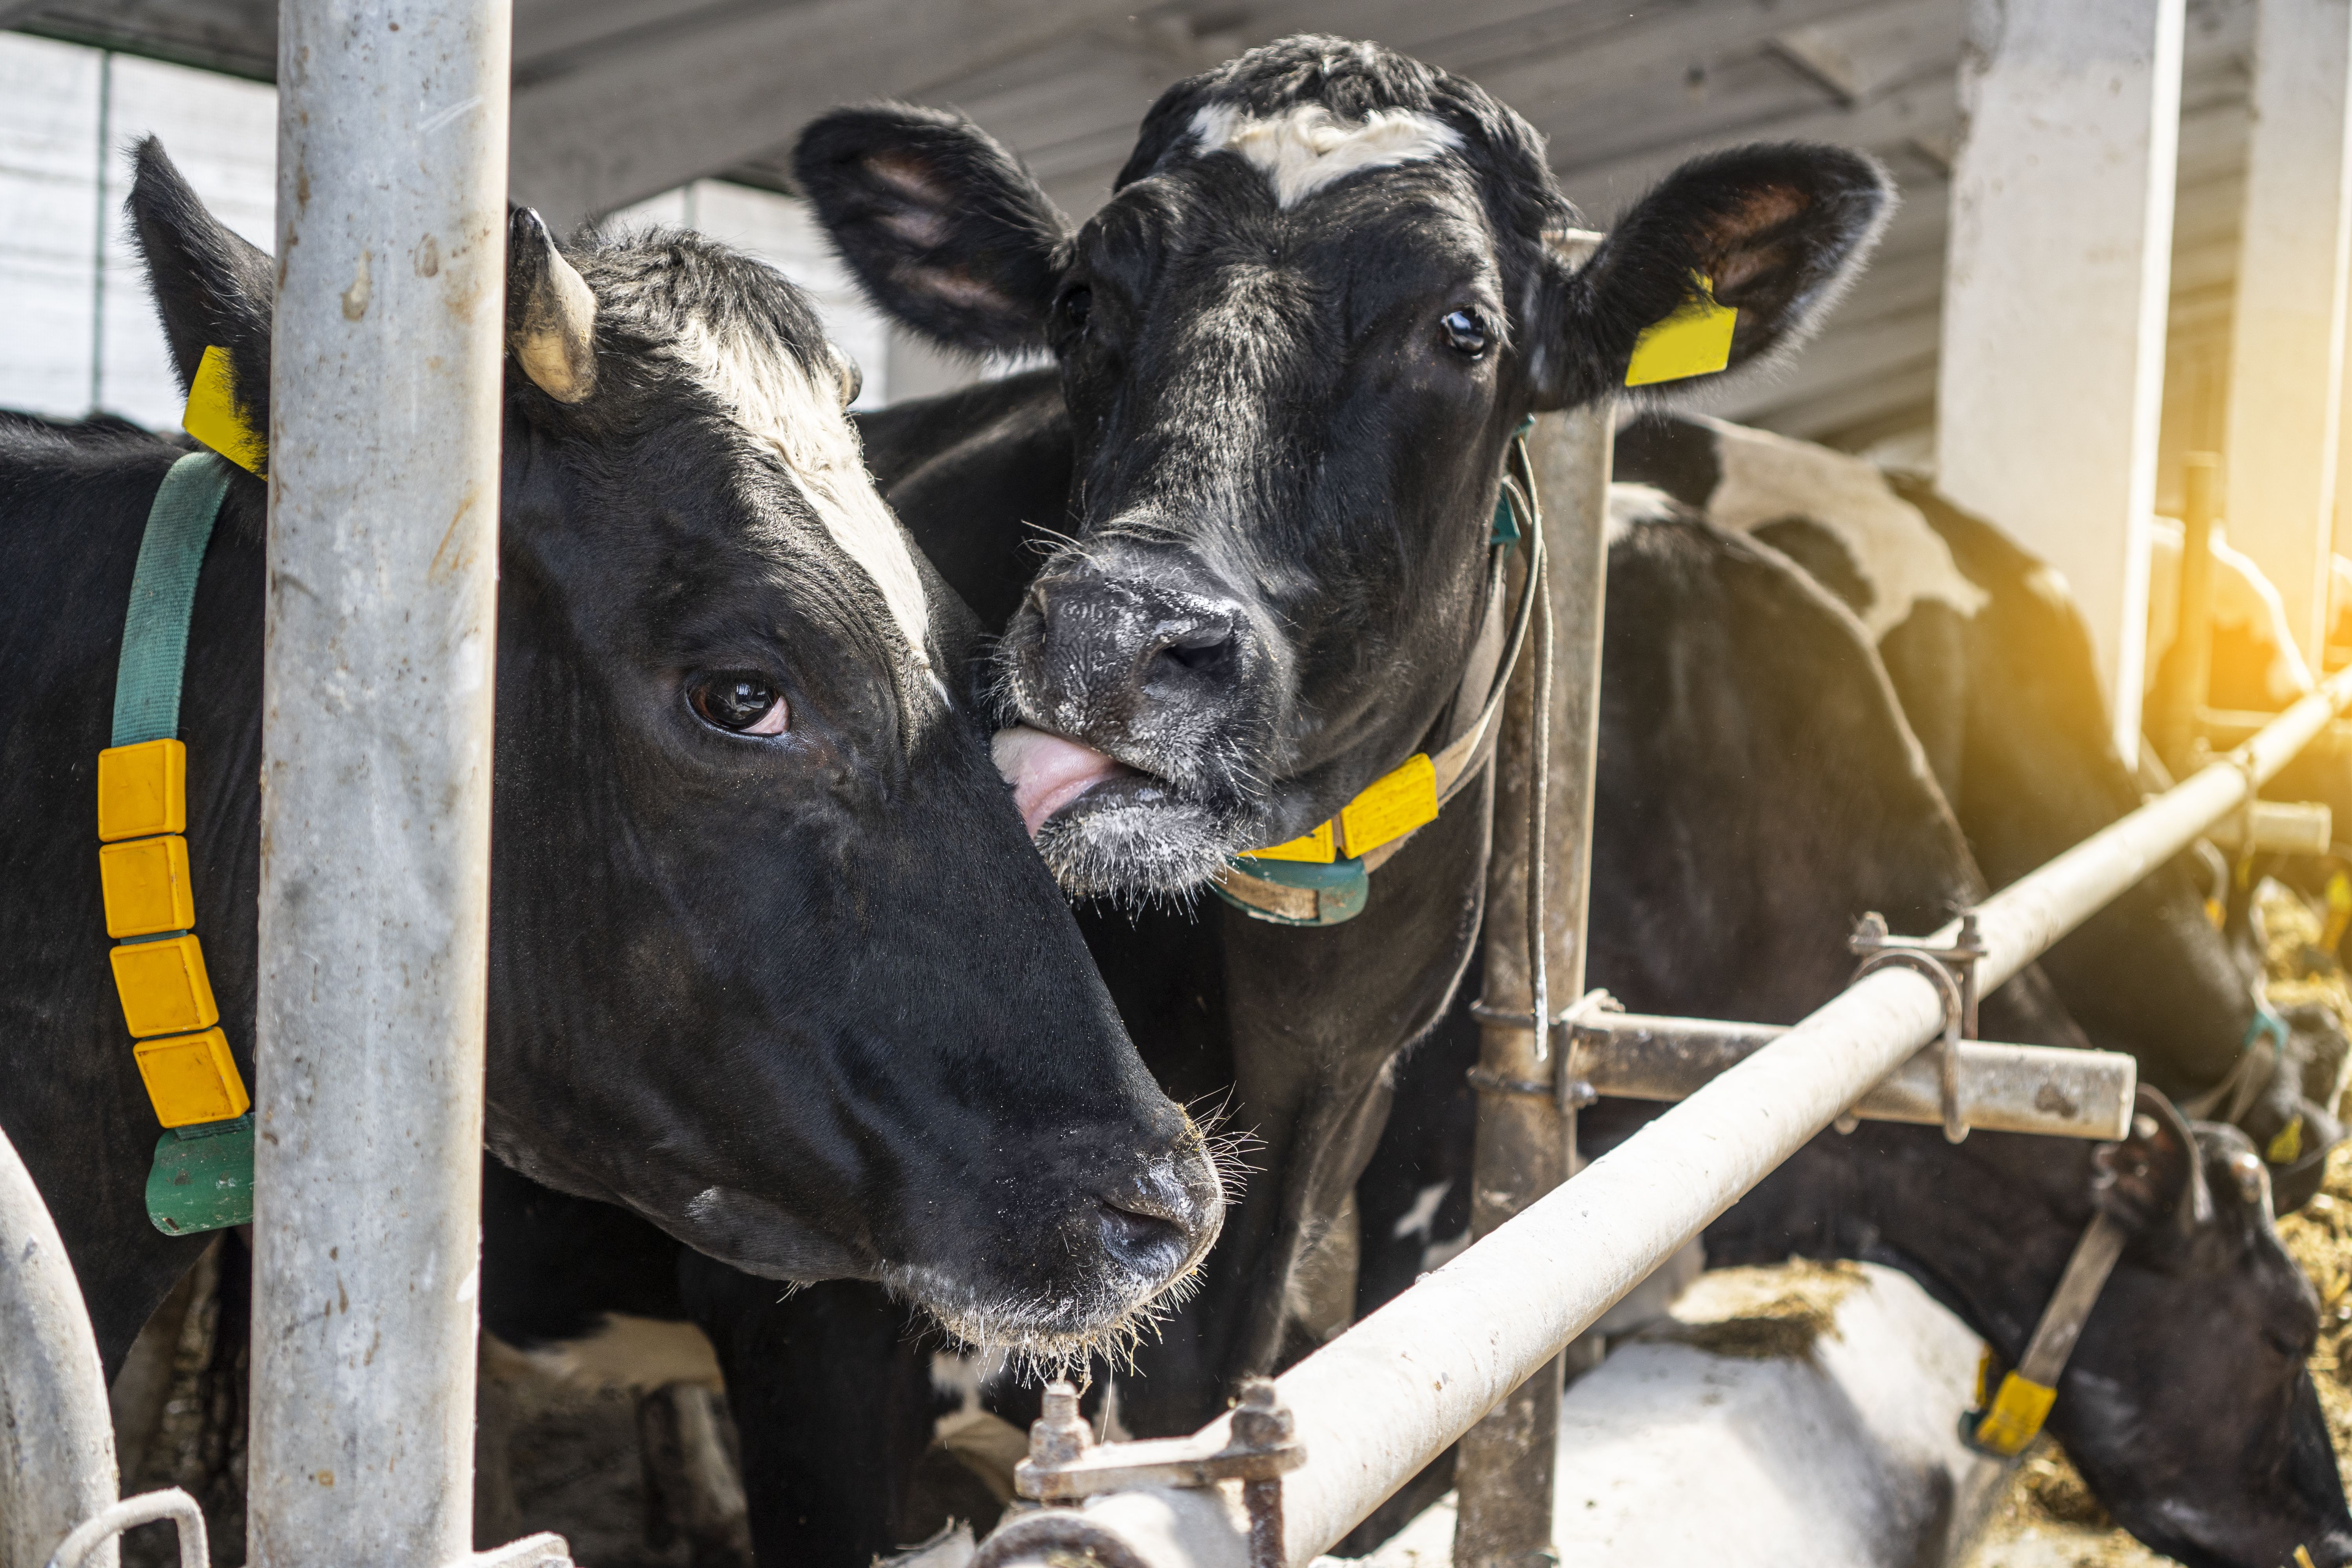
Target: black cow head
2187	1405
1295	346
772	962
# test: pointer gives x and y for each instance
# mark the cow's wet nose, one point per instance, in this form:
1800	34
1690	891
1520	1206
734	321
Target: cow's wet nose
1119	650
1163	1217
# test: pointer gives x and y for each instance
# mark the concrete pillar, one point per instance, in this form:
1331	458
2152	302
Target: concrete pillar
376	683
2055	295
2286	350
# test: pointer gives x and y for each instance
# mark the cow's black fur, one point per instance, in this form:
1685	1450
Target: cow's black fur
807	1003
1728	866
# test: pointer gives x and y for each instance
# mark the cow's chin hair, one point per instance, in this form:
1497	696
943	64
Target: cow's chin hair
1142	852
1043	1337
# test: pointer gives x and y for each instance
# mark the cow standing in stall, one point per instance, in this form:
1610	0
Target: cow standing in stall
773	964
1292	352
1994	668
1728	866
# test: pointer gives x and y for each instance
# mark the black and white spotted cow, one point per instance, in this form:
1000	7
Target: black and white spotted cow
1993	664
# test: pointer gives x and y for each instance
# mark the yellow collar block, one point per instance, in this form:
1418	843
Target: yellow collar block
147	888
163	986
192	1079
142	790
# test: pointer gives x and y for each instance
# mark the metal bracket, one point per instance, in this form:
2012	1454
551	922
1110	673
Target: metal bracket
1953	972
1065	1465
1567	1093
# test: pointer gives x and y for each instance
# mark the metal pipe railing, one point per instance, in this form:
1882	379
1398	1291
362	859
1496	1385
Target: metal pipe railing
56	1438
387	353
1386	1397
1526	1141
2046	1089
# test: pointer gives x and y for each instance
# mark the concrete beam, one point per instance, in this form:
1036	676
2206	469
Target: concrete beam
615	125
2286	356
2053	360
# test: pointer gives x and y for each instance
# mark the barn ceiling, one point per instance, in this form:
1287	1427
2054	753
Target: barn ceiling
618	100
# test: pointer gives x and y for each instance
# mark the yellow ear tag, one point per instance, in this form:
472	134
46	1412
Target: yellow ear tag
213	416
1314	848
1695	340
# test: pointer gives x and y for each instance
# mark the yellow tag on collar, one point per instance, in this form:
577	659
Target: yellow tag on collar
2017	1414
213	418
1695	340
1391	806
1314	848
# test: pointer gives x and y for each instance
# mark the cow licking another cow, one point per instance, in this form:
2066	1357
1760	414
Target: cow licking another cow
773	964
1290	356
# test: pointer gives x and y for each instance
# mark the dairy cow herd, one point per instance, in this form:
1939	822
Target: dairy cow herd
803	717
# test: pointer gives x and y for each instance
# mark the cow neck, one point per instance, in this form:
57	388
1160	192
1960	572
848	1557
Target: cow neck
1323	878
202	1178
2002	1426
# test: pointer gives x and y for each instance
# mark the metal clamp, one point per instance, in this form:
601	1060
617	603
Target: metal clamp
1959	959
1567	1093
1948	988
1066	1466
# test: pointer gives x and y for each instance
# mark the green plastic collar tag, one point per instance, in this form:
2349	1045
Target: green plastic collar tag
1335	893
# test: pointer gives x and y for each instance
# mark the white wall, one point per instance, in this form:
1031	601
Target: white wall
75	337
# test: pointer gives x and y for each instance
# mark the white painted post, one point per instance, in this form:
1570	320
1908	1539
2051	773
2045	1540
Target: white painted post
2287	349
383	458
2054	299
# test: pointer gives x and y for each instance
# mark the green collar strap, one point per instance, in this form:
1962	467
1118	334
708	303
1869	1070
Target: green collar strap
203	1173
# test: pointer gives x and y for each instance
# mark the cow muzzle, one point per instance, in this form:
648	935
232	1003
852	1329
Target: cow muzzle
1144	691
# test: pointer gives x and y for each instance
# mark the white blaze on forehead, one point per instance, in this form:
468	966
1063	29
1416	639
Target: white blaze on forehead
780	406
1307	147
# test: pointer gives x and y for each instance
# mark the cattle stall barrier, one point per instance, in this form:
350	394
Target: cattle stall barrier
1319	1449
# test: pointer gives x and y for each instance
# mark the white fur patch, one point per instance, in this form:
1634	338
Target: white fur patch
1630	506
1768	477
1307	147
782	406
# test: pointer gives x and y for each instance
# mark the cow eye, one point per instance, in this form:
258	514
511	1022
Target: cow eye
1465	331
741	701
1076	306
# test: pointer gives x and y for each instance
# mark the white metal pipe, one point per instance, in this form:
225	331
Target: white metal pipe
2004	1087
56	1440
102	1529
1384	1399
383	467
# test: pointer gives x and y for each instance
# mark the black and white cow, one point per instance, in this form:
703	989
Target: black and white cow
1993	664
1290	356
1729	866
773	964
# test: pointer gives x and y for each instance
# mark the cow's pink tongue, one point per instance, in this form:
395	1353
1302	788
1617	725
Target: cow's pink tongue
1047	772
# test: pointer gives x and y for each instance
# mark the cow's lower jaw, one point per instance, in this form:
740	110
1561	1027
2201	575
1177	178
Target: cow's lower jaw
1110	829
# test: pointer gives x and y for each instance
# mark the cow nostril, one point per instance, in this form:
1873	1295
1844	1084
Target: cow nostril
1203	648
1147	1242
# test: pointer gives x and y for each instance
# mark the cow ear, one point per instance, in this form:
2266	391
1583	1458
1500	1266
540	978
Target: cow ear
211	289
2154	1180
1777	232
945	229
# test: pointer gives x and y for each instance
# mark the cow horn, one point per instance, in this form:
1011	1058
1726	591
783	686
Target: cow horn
551	312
